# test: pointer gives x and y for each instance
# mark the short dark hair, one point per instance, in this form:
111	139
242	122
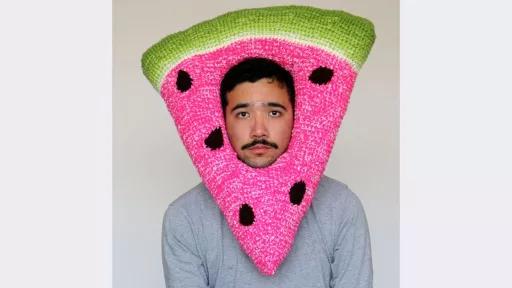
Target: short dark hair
252	70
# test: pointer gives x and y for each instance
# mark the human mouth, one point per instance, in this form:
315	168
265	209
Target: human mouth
260	144
259	149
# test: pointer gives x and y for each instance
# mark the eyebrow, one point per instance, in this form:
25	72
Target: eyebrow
270	104
275	104
240	105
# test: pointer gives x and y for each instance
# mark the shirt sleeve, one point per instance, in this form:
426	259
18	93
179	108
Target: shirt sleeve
352	261
183	266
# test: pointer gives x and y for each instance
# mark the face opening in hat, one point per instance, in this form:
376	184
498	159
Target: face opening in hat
258	97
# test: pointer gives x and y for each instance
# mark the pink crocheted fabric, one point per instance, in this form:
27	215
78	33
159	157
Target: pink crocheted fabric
277	197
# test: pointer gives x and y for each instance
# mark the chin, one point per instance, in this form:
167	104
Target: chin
258	164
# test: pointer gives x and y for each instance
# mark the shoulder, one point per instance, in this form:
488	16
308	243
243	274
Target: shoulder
191	208
334	192
197	195
335	204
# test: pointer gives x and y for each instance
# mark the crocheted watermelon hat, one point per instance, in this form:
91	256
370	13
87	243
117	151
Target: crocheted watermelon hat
323	50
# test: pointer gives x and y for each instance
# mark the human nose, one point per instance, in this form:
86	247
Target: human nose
259	126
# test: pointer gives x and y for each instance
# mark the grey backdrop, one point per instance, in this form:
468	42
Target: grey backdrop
151	167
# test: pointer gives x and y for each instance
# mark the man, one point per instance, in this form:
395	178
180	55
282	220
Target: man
332	245
275	83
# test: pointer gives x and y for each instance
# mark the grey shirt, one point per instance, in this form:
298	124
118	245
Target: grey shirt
331	248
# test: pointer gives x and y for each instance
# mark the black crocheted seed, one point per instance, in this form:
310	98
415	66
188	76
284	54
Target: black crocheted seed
246	215
214	140
321	75
183	82
297	192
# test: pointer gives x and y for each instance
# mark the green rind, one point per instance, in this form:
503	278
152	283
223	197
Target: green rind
348	36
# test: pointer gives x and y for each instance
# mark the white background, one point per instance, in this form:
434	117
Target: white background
55	145
151	167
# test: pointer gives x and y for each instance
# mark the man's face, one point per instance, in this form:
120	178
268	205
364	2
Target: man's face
259	121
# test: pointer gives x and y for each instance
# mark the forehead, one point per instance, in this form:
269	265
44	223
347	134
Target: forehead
262	91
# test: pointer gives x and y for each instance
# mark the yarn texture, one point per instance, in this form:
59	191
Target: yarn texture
323	50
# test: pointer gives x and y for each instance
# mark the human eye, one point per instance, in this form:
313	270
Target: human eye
275	113
242	115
